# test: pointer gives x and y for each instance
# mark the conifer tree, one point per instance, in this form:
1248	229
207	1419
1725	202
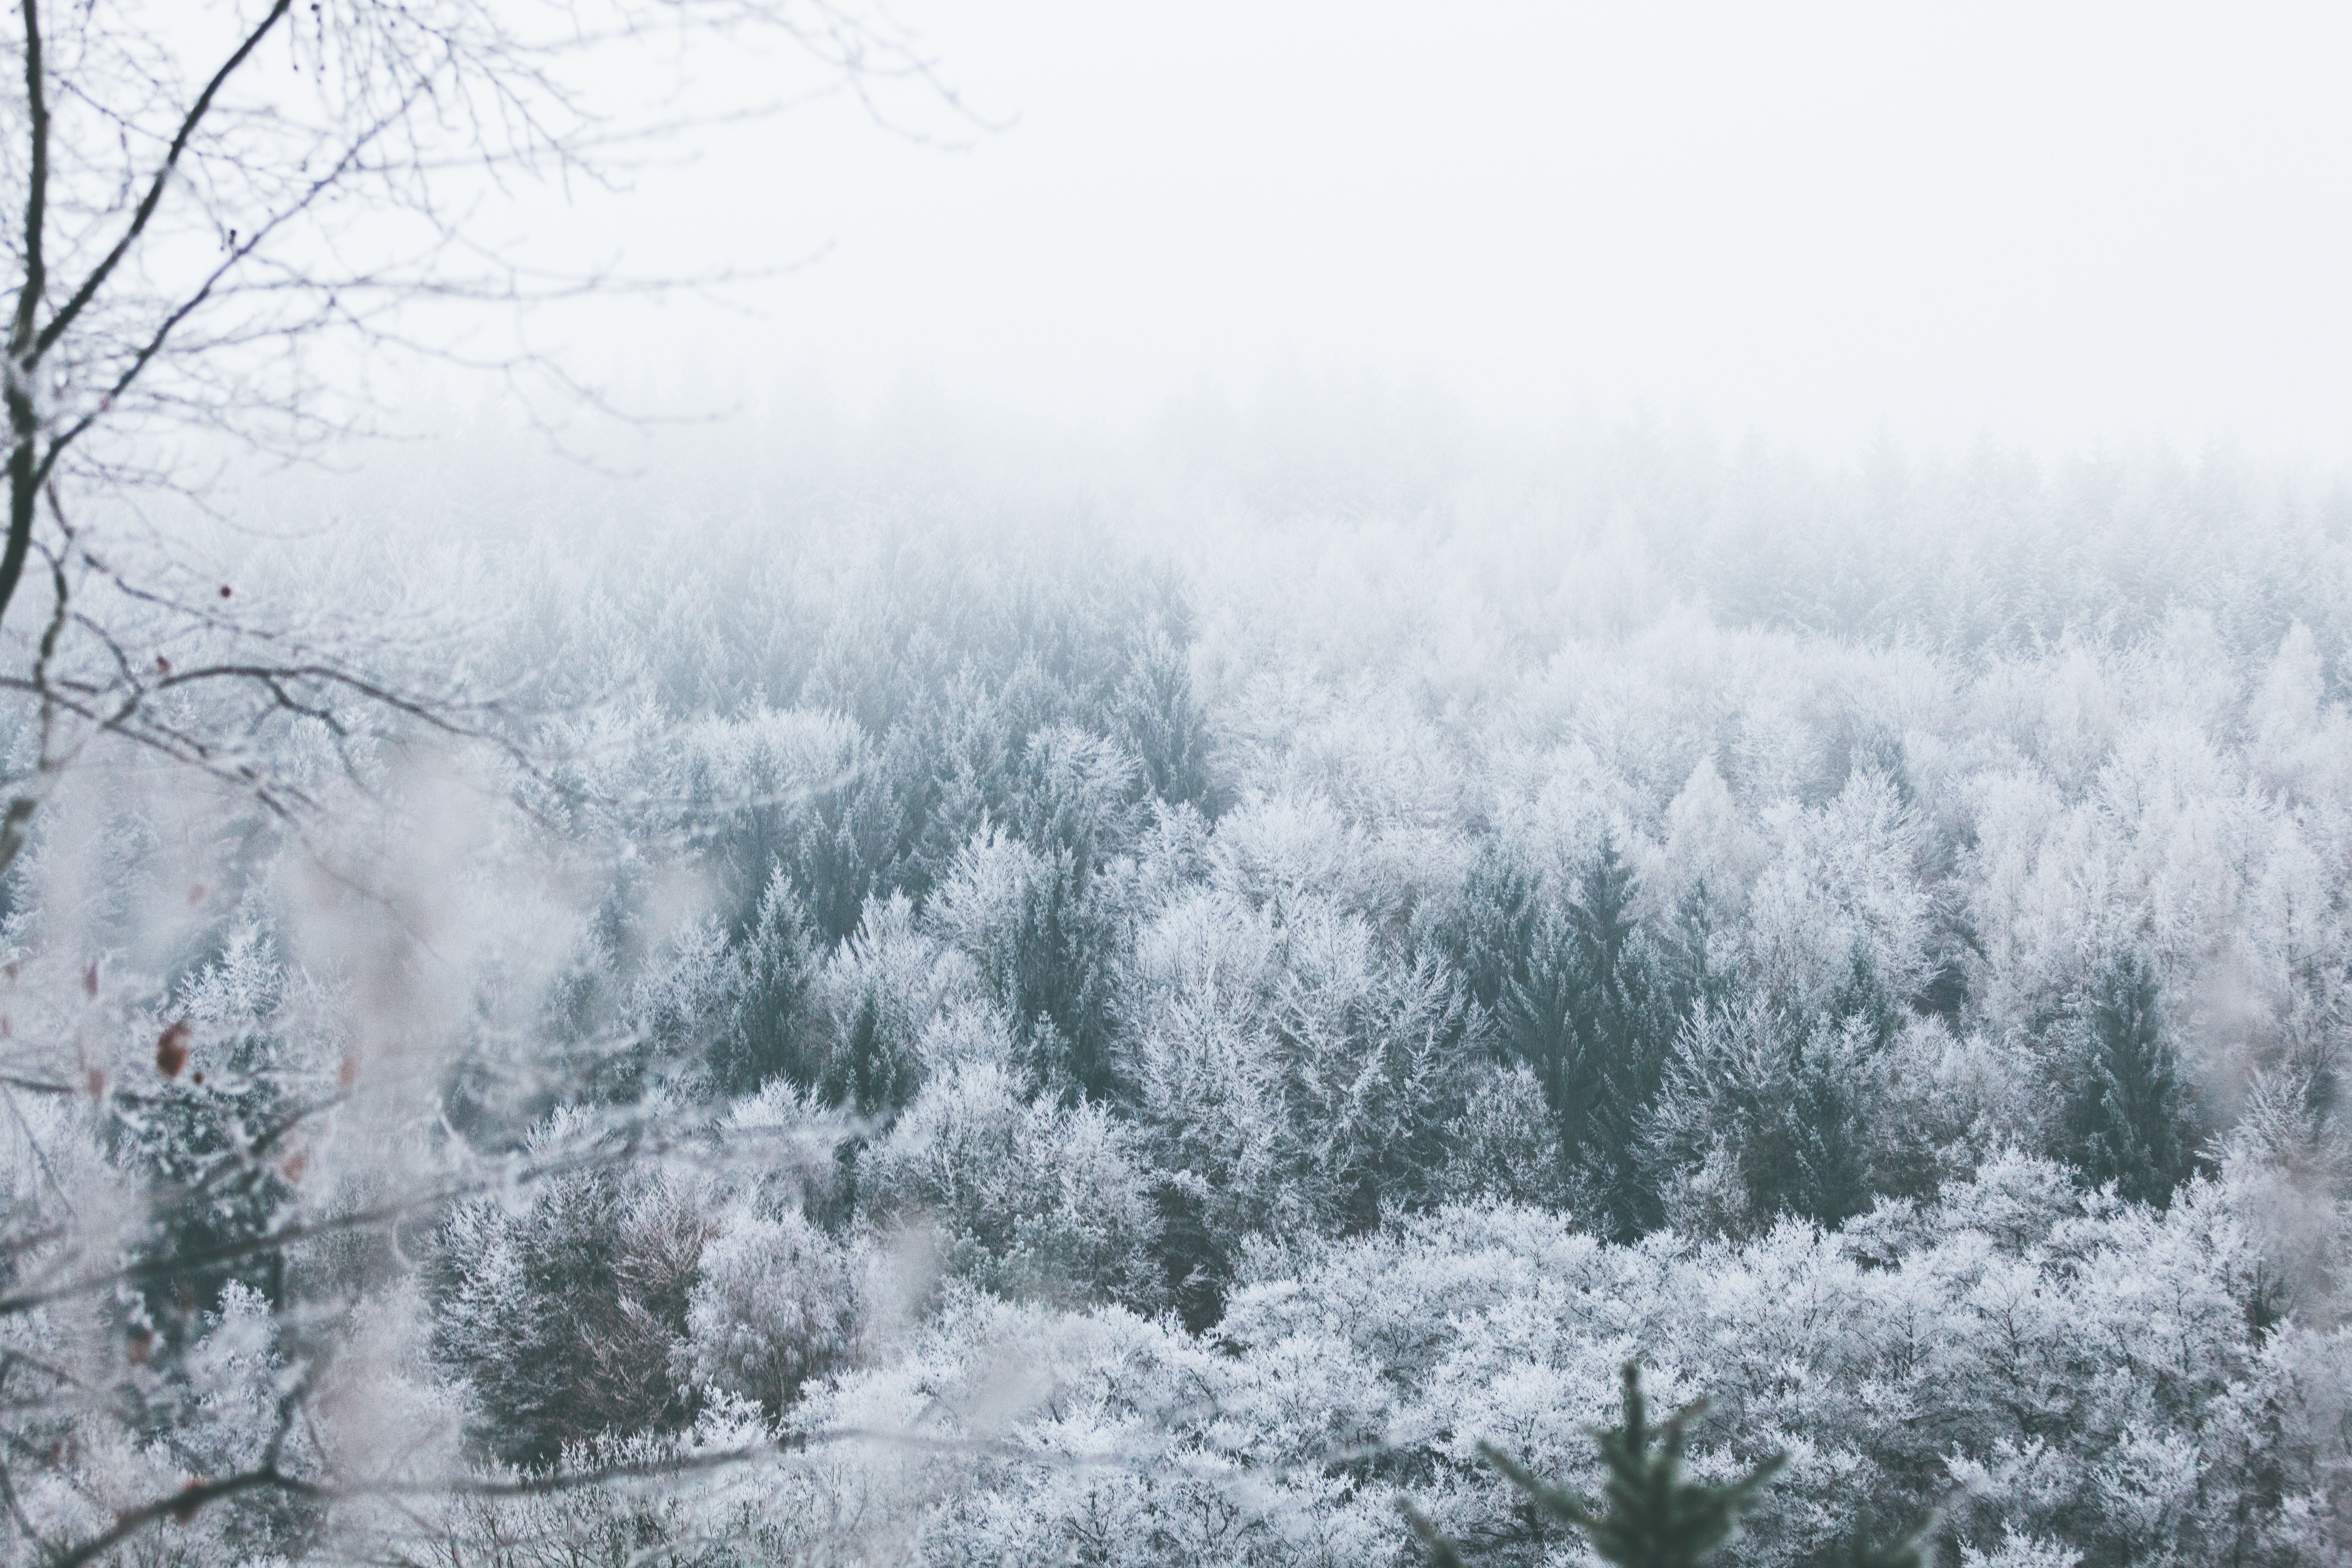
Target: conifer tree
1059	988
1779	1095
1825	1175
766	1032
561	1317
843	854
1078	812
1651	1516
1689	960
2125	1111
1594	1018
1828	1178
1153	712
202	1150
871	1073
1490	936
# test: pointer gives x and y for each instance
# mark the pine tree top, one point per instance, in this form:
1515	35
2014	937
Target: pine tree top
1652	1515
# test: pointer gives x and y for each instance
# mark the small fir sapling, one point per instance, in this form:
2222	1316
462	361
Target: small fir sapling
1652	1518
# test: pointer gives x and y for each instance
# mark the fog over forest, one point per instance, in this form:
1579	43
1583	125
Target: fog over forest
1304	786
1136	1023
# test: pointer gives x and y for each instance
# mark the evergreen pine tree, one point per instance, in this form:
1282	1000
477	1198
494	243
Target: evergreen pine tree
870	1072
2125	1112
1828	1178
1863	999
1078	813
561	1317
1825	1175
1490	935
202	1150
1154	714
1781	1095
1651	1516
1594	1018
1688	957
765	1034
1060	989
845	851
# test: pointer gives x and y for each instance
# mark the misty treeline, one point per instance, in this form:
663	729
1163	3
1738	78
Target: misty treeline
1141	1031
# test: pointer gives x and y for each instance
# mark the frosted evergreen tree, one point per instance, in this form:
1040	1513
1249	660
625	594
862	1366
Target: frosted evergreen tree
1650	1515
766	1033
1594	1018
1490	935
1763	1112
1154	714
2126	1112
560	1318
1053	959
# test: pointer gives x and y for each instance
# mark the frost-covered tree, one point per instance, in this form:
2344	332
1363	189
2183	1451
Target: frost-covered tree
2127	1113
1159	723
561	1320
1594	1017
774	1303
769	1029
1031	1197
1763	1115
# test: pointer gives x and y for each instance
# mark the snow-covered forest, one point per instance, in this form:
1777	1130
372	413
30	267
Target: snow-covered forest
1138	1020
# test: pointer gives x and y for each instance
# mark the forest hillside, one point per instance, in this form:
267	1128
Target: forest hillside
1139	1018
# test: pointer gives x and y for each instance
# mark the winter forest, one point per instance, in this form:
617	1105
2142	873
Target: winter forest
958	1022
923	786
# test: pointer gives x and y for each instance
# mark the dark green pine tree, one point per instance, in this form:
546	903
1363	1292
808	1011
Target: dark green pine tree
1057	977
1829	1175
211	1155
1490	934
1595	1017
1688	957
871	1072
844	850
766	1034
2126	1111
1651	1516
1864	998
1065	953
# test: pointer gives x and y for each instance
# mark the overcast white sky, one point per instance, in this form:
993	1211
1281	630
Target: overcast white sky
2050	222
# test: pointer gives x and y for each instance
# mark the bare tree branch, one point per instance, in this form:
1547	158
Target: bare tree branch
67	314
